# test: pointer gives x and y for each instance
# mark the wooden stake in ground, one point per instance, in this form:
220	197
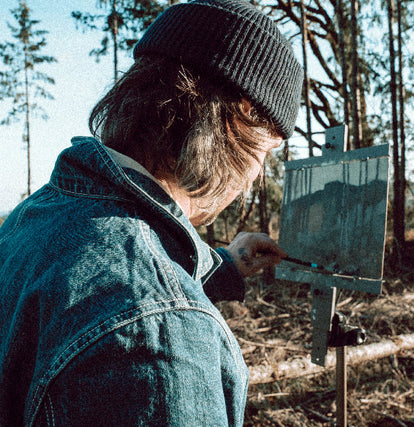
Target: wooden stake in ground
341	387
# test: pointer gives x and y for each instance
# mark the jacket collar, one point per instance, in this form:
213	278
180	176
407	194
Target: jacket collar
89	169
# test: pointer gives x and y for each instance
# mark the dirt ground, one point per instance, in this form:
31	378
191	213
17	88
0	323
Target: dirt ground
273	325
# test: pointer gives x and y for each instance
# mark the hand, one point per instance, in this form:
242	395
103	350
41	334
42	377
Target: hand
254	251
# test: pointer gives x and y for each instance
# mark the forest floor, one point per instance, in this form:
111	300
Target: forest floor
273	326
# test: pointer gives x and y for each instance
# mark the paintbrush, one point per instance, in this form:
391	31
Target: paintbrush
298	261
317	266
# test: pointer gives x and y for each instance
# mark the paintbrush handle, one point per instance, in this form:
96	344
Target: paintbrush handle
301	262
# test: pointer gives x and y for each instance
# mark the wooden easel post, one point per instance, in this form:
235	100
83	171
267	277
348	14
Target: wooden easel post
341	387
340	336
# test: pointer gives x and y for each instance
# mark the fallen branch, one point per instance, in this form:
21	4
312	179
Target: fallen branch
355	355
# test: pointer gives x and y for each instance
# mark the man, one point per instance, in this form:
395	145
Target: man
107	291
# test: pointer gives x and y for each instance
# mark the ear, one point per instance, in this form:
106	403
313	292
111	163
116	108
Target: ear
246	106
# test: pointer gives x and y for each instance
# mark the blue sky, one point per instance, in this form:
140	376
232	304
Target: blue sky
80	82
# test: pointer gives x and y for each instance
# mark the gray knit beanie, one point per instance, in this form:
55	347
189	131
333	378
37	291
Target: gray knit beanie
232	40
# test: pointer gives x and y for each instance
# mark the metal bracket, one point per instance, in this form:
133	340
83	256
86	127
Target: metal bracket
335	140
323	308
342	334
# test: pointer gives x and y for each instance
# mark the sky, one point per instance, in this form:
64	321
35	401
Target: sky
80	83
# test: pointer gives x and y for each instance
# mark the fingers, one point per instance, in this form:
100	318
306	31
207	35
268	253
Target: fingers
265	245
254	251
263	261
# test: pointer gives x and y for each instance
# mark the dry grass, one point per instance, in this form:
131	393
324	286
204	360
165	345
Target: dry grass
274	325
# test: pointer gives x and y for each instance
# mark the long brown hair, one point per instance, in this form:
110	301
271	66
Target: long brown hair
176	122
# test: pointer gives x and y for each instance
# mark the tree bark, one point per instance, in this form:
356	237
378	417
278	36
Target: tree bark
263	213
114	31
27	136
401	96
211	240
344	68
247	212
356	101
304	31
269	272
398	218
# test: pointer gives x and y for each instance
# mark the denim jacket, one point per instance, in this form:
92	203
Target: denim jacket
106	306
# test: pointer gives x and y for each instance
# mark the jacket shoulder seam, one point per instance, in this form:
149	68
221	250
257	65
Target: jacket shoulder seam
87	195
167	270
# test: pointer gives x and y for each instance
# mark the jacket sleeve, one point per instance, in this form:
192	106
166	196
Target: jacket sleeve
226	283
168	369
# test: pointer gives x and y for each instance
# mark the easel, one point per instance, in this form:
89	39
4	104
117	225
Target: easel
334	214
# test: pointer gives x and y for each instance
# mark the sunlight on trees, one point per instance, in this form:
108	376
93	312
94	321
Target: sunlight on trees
344	46
20	78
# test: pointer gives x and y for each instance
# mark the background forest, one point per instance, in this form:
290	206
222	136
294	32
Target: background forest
358	58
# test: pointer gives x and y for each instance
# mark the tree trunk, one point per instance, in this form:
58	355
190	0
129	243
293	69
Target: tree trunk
247	212
114	31
27	135
211	238
304	31
398	218
263	214
356	101
269	272
401	95
286	152
341	35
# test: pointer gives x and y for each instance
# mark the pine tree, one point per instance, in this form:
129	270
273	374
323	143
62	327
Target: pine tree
20	80
334	67
122	21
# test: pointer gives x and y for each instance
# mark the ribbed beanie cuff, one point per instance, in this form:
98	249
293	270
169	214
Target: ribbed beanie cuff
232	40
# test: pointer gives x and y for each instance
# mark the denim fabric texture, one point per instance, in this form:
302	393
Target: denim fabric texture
106	309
